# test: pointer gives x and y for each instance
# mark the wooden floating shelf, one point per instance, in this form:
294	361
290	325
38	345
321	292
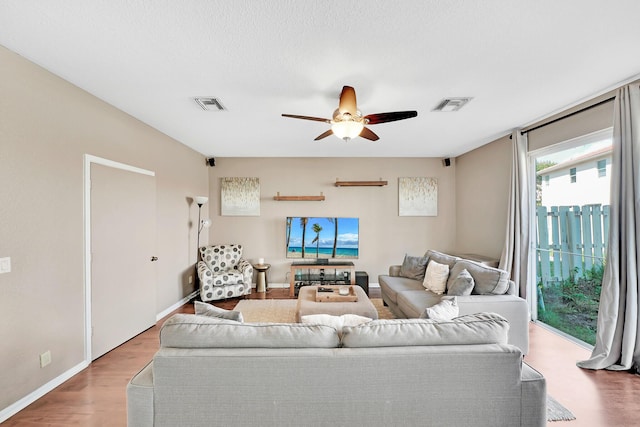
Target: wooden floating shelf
280	198
380	183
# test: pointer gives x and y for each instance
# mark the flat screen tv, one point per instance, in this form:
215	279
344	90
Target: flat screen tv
322	237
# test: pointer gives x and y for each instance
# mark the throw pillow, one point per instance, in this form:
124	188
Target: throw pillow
435	278
413	267
462	284
209	310
444	311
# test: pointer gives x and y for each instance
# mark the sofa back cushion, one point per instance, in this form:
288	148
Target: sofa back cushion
192	331
480	328
441	258
488	280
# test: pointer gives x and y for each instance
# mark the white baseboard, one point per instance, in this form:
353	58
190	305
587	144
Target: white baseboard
18	406
176	306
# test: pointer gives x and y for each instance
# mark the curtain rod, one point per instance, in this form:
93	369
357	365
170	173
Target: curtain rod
597	104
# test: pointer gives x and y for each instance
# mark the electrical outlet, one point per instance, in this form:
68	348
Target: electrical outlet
45	358
5	265
190	279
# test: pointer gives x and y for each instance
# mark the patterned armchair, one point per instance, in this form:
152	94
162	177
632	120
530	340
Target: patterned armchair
223	273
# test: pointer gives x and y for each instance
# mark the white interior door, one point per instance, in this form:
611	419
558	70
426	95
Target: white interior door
123	277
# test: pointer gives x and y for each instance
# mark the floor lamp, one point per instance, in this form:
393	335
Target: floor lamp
200	200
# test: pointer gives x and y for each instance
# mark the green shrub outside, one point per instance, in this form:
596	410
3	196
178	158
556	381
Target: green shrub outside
571	306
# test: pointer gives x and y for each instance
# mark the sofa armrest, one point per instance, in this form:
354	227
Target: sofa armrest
534	397
202	269
140	398
394	270
246	269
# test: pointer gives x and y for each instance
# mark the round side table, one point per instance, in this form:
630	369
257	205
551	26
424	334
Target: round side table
261	279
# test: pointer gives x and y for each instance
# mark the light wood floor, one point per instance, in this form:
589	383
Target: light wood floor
96	396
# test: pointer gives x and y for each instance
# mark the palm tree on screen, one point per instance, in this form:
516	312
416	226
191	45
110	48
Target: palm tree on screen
303	224
317	229
288	232
334	221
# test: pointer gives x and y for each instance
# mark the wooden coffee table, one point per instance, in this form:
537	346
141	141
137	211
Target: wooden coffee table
307	304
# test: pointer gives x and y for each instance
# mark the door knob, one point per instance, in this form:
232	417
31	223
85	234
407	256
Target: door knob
154	258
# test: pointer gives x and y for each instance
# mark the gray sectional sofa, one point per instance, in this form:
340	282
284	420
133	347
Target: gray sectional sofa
404	372
491	291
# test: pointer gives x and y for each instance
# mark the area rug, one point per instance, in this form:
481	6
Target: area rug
284	311
557	412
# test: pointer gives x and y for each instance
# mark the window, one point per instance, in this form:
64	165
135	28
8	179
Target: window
602	168
572	224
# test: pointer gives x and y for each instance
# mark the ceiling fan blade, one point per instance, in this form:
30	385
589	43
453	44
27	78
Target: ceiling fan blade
324	135
367	134
390	117
316	119
348	101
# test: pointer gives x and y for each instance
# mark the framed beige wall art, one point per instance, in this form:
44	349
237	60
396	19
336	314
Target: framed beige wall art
240	196
417	196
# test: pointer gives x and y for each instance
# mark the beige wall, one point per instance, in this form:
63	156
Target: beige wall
482	190
384	236
46	128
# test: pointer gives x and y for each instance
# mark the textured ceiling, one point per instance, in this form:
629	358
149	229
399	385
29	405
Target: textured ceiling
519	60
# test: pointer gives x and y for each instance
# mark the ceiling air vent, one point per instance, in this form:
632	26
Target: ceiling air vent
210	104
449	105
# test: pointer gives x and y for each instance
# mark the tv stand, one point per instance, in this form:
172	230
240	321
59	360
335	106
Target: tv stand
307	273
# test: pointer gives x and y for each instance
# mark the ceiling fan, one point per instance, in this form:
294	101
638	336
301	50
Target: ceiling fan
348	122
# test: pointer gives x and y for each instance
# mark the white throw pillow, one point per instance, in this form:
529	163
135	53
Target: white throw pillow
435	278
443	311
334	321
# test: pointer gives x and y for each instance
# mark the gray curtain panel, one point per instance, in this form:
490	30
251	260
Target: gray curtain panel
617	336
515	255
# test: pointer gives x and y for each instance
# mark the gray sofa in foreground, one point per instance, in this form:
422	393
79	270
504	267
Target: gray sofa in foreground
404	372
492	292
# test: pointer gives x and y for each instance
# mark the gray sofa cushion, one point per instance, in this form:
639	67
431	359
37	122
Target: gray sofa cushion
480	328
413	303
441	258
413	267
191	331
488	280
462	284
393	285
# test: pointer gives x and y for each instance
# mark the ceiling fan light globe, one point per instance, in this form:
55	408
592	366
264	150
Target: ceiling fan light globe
347	129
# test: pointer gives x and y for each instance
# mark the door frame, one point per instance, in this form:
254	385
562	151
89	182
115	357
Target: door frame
88	161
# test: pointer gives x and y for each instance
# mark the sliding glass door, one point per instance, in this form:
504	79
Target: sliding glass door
572	228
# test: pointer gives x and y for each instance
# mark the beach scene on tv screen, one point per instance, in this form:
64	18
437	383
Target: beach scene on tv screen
323	237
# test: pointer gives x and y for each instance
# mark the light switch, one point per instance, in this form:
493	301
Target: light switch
5	265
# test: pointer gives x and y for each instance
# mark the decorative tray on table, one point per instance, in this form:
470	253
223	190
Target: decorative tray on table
336	294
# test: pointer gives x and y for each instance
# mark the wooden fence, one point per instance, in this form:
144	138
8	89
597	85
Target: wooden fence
571	240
